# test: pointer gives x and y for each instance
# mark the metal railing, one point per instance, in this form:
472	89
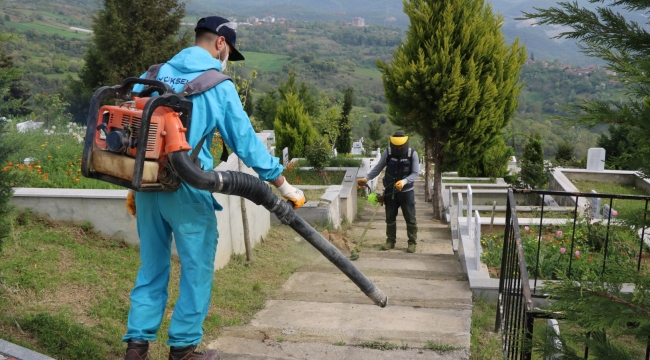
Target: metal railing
515	305
516	311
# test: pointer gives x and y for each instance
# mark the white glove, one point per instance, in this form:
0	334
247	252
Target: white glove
293	194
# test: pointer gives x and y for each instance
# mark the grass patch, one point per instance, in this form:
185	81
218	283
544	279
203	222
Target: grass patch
430	345
264	61
64	289
485	344
367	73
339	161
382	345
296	176
622	206
46	29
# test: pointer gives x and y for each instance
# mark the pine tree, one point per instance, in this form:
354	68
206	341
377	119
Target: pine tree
266	108
344	142
292	127
626	147
375	133
624	45
307	99
532	171
565	152
128	37
453	81
17	95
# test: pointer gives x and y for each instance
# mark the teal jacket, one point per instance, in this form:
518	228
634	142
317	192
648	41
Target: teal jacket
217	109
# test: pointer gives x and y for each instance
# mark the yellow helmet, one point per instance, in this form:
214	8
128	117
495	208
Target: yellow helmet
399	138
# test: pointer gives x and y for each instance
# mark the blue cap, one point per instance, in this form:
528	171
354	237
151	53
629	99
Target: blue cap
222	27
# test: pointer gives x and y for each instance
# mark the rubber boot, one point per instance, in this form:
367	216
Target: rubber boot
388	245
190	353
410	248
137	350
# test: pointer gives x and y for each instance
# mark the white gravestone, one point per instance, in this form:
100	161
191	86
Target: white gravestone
606	212
596	159
285	157
594	204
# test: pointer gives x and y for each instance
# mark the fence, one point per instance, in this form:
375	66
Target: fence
515	311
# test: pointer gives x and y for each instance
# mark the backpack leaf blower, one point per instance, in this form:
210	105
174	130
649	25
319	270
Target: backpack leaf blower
140	143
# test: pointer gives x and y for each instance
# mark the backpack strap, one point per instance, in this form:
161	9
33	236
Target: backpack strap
201	83
152	73
204	82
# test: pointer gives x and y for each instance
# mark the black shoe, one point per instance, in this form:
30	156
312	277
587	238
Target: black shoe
190	353
137	350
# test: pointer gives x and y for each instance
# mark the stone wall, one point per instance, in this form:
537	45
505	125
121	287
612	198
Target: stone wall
105	210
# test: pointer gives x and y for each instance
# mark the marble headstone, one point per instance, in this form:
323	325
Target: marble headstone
596	159
594	204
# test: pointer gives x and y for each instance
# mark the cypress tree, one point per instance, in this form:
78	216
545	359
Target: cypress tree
266	108
344	142
292	127
532	171
375	133
17	95
453	80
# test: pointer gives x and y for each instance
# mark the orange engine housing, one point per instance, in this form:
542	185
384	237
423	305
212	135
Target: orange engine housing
166	131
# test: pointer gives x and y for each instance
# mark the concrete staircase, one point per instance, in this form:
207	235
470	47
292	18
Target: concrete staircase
320	314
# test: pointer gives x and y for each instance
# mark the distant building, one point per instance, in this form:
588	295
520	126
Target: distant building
268	19
252	20
292	30
358	21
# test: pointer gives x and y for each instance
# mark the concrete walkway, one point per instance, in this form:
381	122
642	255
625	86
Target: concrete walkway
320	314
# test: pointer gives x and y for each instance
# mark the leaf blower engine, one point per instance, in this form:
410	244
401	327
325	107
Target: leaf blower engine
141	143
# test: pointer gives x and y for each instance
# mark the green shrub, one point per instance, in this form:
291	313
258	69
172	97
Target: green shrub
318	153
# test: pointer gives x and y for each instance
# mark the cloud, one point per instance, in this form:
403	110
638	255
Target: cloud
527	23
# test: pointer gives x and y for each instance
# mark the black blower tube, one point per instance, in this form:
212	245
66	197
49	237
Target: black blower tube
257	191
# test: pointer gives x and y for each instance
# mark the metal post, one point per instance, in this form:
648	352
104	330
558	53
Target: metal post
494	205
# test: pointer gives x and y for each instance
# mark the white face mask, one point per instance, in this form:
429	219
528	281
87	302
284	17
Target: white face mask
224	62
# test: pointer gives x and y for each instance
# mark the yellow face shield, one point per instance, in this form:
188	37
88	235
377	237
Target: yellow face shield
399	140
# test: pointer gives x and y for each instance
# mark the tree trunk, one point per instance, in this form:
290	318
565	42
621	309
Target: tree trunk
427	171
437	181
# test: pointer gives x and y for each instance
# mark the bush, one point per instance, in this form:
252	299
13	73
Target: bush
318	153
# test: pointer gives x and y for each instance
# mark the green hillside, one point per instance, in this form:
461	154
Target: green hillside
327	56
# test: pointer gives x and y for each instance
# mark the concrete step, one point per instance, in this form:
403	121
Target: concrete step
233	348
401	262
337	288
422	226
439	270
424	247
422	217
328	323
379	229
